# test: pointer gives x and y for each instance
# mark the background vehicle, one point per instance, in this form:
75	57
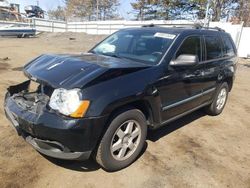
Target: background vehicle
102	103
34	11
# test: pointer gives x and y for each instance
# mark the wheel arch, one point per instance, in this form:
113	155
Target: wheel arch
142	105
229	81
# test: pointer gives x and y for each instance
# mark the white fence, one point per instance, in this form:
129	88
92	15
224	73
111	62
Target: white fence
96	27
108	27
243	48
238	33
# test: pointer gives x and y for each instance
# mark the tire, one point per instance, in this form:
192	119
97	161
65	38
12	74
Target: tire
214	108
127	142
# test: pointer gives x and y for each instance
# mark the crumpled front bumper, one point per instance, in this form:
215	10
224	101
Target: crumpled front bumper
53	134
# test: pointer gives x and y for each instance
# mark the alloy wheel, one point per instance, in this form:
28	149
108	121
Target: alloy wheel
125	140
221	99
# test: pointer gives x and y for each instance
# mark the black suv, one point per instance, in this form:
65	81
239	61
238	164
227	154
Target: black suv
103	102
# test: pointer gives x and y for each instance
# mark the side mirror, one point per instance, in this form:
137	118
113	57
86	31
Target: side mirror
185	60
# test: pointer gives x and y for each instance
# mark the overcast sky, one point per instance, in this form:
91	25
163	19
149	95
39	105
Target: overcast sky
124	8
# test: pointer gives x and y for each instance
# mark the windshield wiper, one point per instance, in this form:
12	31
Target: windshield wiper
106	54
114	55
92	51
111	55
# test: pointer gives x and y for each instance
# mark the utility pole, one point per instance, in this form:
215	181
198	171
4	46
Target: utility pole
97	9
206	24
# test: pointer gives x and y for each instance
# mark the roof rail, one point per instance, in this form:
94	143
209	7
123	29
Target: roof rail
149	25
215	28
193	26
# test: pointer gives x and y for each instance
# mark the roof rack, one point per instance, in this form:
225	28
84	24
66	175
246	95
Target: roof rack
215	28
193	26
149	25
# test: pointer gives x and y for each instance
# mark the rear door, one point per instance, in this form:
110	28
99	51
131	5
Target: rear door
213	64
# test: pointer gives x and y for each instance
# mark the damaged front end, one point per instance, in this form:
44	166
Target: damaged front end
26	98
27	107
31	99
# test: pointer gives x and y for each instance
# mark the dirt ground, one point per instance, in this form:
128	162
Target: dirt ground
195	151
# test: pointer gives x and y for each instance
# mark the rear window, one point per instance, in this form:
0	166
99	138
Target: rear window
213	47
228	49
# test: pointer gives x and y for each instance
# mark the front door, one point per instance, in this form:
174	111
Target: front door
181	88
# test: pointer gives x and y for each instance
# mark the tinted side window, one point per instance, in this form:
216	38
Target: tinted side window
191	46
213	47
228	49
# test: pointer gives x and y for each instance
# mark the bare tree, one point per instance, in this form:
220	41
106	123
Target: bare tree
107	9
58	14
80	8
242	12
186	9
87	9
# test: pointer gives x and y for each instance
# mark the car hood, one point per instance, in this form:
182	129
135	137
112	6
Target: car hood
75	71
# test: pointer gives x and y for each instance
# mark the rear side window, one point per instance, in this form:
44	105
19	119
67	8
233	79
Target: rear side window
213	47
228	49
191	46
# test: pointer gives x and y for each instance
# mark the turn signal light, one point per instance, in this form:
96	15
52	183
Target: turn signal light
81	110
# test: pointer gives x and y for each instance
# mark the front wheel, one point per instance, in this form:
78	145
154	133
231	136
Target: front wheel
219	101
123	140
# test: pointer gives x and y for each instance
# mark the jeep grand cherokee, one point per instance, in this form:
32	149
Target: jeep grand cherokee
102	103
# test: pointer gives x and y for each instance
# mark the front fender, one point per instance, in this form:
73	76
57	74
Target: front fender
108	95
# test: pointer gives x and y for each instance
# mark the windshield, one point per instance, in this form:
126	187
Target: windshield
138	45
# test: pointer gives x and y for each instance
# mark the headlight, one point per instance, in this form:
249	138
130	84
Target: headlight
68	102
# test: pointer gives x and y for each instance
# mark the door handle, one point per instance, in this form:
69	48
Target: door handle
194	74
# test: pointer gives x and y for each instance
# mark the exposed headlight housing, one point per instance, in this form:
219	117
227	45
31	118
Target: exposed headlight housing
68	102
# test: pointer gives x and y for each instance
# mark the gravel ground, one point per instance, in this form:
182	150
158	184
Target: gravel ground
195	151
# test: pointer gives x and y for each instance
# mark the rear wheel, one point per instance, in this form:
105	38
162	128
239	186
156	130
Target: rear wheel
123	140
219	101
